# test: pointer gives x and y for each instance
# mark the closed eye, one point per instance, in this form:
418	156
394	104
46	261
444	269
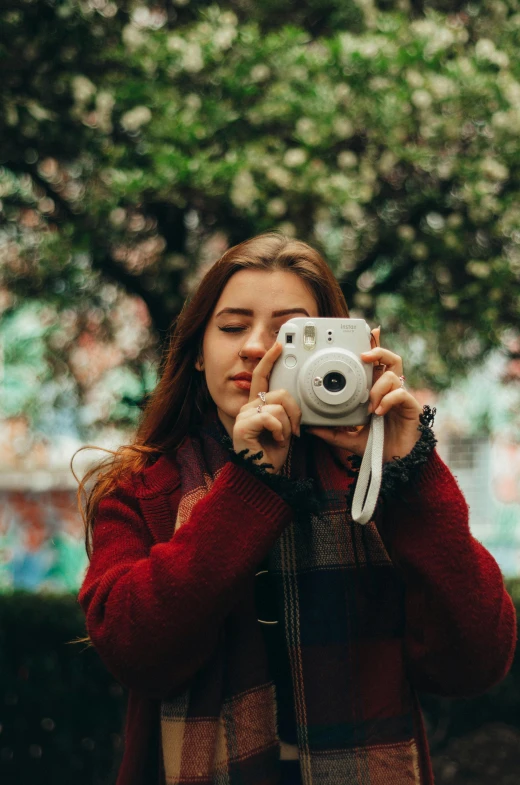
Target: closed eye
236	329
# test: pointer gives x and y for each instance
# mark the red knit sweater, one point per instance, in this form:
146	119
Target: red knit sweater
154	602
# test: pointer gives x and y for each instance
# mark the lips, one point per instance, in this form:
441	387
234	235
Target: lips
246	377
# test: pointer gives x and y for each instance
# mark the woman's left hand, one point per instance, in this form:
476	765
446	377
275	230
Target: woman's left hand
388	397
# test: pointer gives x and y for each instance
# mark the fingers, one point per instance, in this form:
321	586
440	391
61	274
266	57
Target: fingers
408	406
375	337
388	382
287	403
380	356
260	377
387	392
272	418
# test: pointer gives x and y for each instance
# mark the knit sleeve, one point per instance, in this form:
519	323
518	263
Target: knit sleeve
460	621
155	609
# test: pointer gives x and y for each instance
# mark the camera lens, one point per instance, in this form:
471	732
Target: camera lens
334	382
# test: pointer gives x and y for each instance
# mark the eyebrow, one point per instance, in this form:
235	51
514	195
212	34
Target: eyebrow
249	312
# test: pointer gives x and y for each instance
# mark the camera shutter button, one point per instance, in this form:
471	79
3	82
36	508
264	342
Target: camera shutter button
290	361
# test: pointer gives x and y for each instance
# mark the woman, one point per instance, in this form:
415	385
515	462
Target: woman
265	637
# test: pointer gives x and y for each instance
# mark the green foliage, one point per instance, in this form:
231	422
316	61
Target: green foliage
138	142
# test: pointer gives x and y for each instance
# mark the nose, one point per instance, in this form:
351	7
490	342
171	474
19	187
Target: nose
256	344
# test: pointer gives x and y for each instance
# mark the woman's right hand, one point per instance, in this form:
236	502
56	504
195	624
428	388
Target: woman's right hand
269	430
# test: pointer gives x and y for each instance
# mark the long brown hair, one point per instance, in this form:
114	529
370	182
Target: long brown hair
181	396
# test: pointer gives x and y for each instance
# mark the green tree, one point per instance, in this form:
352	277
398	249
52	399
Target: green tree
139	141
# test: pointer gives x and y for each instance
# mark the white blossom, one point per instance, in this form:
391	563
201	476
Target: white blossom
229	18
478	269
347	159
224	37
243	190
414	78
104	104
454	220
295	157
509	88
421	99
152	18
442	39
419	251
117	216
450	301
304	125
445	169
485	49
287	228
82	89
342	92
135	118
276	207
343	128
365	193
193	101
435	221
387	162
260	72
132	37
280	176
340	182
494	169
406	232
441	86
509	121
380	83
308	130
192	60
353	212
175	43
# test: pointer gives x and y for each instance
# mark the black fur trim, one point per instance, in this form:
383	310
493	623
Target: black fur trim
400	471
298	493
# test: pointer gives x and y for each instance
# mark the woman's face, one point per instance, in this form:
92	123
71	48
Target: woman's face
246	319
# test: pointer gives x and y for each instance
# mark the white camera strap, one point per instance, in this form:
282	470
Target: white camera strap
370	473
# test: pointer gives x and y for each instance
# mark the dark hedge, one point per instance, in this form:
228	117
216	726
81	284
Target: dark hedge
61	713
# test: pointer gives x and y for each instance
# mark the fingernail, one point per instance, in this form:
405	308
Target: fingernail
379	410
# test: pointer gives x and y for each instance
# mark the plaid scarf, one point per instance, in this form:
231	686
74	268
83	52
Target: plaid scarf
342	605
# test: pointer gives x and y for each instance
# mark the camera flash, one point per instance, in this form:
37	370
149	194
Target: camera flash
309	336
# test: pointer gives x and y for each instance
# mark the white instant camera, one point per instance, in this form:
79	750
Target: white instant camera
321	368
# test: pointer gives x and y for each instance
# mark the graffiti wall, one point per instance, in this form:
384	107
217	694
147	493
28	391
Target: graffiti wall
41	541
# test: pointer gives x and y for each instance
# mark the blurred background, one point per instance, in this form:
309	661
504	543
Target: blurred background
137	142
